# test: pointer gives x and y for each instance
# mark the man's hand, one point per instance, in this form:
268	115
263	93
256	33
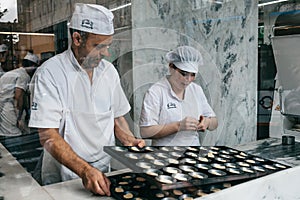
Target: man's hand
20	124
95	181
125	136
132	141
92	179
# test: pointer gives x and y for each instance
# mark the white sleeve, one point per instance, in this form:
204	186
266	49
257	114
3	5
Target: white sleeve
150	109
207	111
22	82
120	104
46	108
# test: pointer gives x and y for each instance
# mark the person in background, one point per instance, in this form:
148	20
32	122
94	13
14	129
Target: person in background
29	60
13	86
79	104
4	67
175	109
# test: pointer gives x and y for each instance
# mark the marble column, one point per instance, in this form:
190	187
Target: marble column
225	32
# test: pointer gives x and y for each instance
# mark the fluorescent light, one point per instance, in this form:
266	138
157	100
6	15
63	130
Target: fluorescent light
120	7
21	33
271	2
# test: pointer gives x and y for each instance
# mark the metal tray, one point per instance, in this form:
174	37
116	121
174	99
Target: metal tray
179	167
135	186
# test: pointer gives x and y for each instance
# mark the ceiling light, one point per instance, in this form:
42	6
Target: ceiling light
22	33
271	2
120	7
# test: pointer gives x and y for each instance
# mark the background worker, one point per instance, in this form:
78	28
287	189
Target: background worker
13	86
4	64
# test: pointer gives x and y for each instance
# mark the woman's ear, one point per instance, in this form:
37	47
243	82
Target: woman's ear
76	38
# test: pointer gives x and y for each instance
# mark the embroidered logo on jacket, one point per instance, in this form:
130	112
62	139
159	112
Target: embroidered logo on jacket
171	105
34	106
87	23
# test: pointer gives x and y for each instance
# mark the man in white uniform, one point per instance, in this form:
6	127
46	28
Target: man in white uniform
175	109
78	104
13	85
3	59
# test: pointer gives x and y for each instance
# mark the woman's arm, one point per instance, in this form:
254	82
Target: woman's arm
159	131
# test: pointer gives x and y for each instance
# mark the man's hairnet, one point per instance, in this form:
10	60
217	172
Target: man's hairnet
185	58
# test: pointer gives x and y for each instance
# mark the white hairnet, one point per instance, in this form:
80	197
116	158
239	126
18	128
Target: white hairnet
185	58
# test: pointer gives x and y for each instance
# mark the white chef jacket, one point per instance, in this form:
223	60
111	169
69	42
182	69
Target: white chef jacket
162	106
1	71
11	80
64	98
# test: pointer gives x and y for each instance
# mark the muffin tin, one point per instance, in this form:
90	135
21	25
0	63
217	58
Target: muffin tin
195	166
134	186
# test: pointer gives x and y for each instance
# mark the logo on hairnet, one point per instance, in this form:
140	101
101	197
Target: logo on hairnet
86	23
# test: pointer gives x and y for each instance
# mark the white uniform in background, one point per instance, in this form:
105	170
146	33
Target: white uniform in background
1	71
162	106
11	80
83	112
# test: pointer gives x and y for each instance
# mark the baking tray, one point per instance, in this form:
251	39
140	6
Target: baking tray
174	167
135	187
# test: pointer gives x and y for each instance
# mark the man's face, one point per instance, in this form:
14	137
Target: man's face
94	49
3	56
6	63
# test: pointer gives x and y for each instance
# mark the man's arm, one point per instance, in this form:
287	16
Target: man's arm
123	133
92	179
18	104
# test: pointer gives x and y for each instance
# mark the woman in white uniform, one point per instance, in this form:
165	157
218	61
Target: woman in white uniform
175	109
78	104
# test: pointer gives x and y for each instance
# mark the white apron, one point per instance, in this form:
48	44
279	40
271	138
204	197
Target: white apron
86	133
89	148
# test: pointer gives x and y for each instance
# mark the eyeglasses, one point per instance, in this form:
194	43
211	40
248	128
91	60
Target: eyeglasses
102	46
182	72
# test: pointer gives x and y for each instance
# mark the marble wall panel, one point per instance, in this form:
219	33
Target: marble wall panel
226	34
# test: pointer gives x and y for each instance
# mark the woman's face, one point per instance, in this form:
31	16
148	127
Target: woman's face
93	50
181	78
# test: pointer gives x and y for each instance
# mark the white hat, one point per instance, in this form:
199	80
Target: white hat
32	57
185	58
3	48
92	18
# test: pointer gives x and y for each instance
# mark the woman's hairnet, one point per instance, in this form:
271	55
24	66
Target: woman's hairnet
185	58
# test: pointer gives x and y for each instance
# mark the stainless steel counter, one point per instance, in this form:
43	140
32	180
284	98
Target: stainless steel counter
17	183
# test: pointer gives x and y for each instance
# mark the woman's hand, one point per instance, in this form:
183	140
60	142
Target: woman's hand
203	123
188	124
